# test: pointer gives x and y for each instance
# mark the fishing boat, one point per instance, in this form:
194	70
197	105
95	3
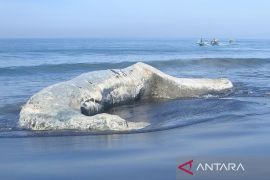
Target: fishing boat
215	42
201	42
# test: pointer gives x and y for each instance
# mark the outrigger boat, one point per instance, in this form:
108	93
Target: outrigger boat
215	42
231	41
201	42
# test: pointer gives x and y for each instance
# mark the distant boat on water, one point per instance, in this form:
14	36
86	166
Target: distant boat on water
231	41
201	42
215	42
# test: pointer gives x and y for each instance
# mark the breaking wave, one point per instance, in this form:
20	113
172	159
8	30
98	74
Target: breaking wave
63	68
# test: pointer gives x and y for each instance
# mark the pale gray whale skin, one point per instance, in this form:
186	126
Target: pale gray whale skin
80	103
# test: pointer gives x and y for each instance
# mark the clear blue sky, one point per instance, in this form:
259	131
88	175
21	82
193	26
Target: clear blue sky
135	19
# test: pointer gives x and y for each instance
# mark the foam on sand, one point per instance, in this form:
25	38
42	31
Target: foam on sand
80	103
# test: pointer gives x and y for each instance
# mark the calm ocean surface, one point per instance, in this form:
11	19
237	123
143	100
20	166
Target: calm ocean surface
238	124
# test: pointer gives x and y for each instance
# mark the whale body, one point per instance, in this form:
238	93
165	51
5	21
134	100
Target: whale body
81	103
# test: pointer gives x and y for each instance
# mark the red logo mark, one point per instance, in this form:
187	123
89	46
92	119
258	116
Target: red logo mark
182	167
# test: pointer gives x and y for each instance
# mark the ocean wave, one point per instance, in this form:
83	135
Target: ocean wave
62	68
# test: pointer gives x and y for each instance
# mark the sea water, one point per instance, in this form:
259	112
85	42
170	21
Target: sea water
237	124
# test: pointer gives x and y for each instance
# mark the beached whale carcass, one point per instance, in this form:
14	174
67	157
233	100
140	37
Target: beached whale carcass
81	103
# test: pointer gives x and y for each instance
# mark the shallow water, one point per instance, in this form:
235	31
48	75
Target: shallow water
234	124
